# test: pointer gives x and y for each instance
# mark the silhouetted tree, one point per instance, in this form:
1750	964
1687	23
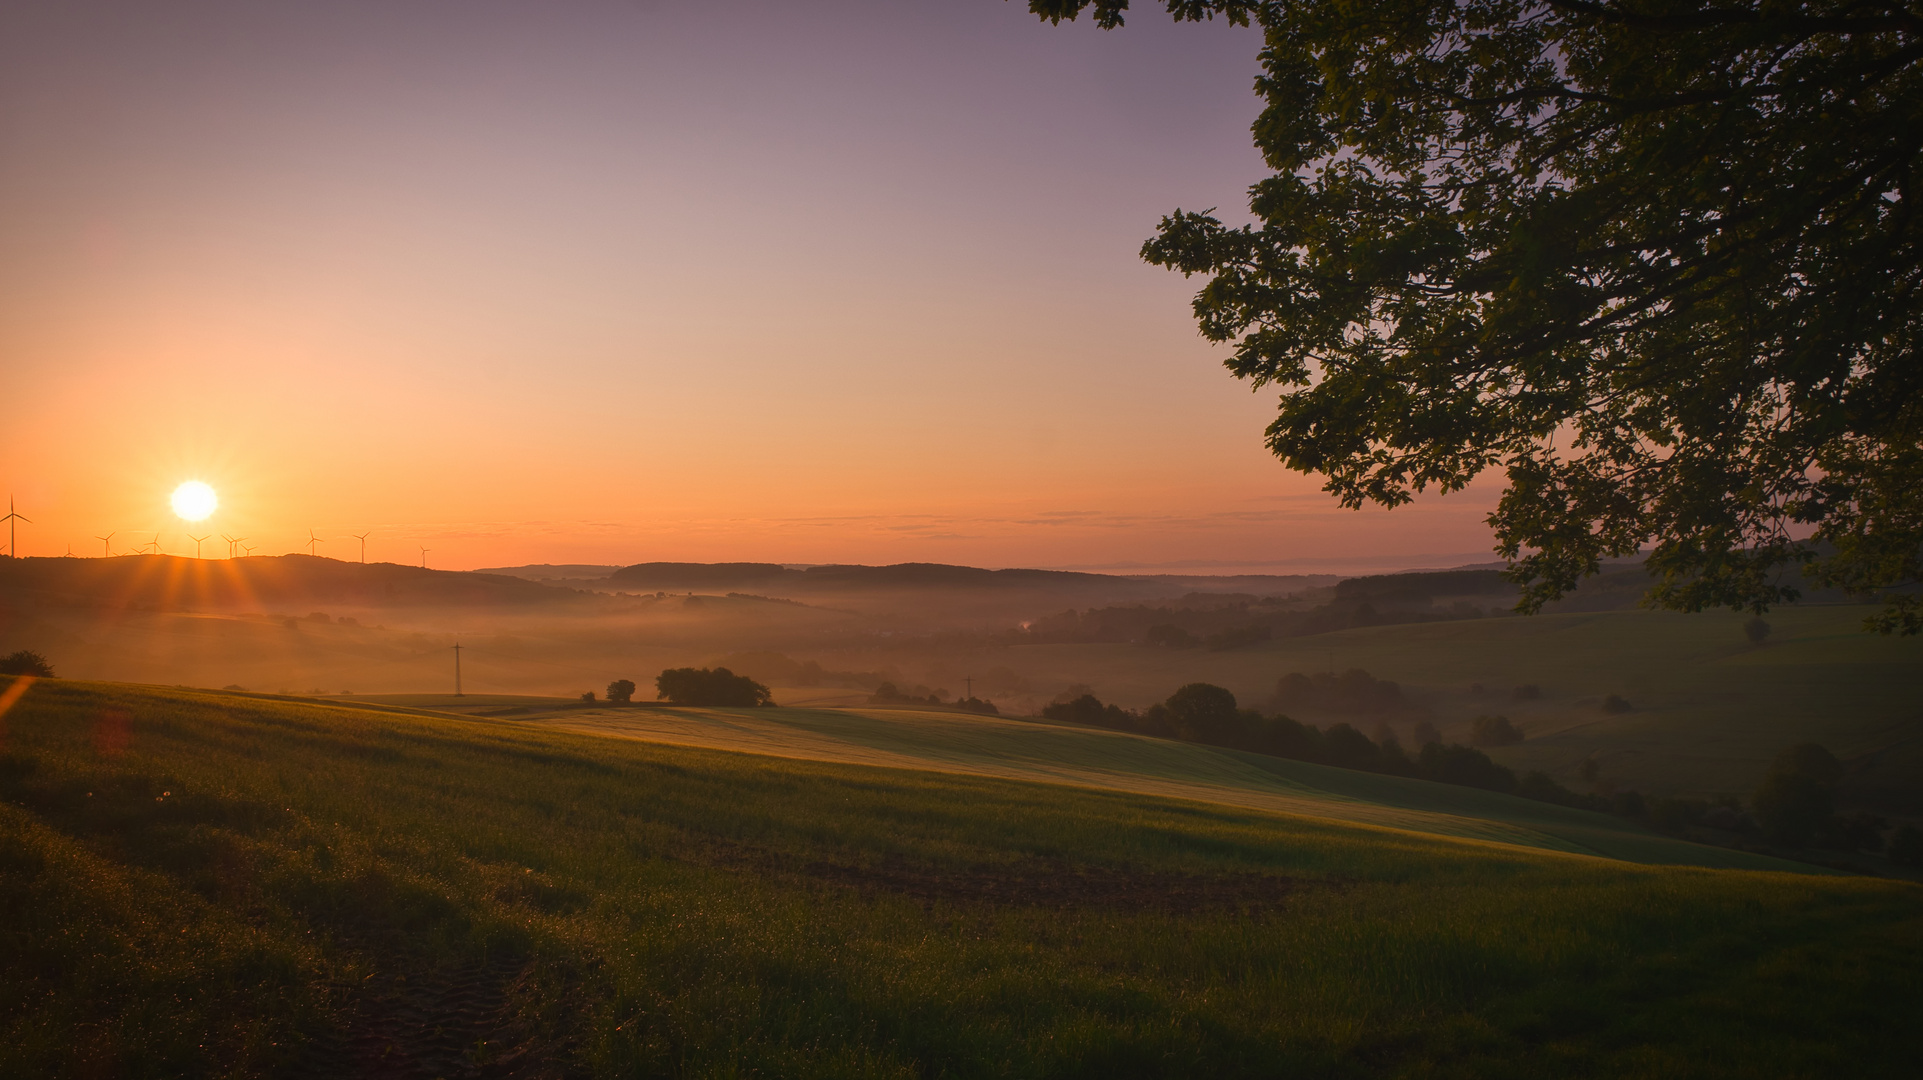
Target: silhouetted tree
621	691
1756	629
26	662
1203	712
1658	262
702	686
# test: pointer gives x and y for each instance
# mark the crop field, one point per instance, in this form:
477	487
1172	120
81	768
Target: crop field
208	884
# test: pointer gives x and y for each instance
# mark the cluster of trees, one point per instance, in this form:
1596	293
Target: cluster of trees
1796	805
26	662
710	686
890	694
1494	731
1204	713
1793	807
1353	691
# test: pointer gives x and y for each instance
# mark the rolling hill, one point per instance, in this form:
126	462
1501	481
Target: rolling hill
226	885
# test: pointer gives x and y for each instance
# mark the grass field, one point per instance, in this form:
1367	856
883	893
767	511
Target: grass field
208	884
948	741
1710	709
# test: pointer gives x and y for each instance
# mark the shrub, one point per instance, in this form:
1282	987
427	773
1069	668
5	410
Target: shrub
1615	704
587	695
704	686
1494	731
978	705
26	662
621	691
1756	630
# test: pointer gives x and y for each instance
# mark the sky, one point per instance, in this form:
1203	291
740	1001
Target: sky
608	282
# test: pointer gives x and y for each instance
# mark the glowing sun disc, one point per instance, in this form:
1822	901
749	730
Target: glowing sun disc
194	501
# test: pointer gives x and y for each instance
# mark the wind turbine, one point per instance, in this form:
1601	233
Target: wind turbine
196	540
311	541
424	552
362	537
246	549
106	552
237	546
12	519
155	545
230	544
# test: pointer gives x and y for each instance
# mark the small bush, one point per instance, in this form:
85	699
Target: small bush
1756	630
587	695
621	691
26	662
1616	704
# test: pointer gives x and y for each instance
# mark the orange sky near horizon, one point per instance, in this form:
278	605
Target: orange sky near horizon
609	283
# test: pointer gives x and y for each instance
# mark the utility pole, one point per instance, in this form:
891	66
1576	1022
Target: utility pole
457	669
968	681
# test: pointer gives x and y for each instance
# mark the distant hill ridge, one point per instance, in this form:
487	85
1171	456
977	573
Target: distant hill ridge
838	576
258	583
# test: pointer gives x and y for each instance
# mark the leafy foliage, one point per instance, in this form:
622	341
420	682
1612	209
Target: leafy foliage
710	686
1661	264
26	662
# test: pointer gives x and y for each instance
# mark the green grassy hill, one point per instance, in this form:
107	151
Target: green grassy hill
1709	709
206	884
948	741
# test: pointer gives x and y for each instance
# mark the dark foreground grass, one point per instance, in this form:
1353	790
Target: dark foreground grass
193	884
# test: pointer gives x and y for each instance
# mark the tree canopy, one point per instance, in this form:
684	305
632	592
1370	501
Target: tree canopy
1657	261
704	686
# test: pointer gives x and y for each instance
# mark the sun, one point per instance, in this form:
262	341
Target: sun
194	501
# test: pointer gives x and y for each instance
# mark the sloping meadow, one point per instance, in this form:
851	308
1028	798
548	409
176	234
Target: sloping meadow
204	884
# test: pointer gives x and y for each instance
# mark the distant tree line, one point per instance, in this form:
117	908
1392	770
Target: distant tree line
1223	621
1794	806
890	694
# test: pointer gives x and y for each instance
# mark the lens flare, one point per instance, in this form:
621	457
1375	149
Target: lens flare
194	501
